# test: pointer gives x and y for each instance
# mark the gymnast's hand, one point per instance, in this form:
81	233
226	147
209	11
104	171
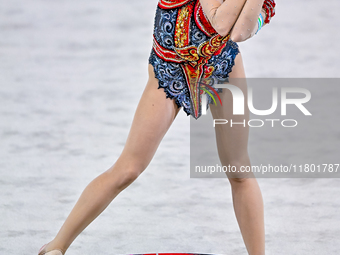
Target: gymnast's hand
238	36
235	17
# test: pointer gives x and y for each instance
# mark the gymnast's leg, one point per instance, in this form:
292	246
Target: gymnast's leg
153	117
232	143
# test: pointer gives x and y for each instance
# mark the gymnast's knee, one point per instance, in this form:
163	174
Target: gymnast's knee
239	172
122	175
239	180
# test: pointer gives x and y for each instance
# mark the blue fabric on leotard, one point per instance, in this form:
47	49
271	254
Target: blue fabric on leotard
171	74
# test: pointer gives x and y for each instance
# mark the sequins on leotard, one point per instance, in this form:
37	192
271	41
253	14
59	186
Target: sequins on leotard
188	51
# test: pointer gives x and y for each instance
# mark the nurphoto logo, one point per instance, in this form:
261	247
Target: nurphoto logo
239	103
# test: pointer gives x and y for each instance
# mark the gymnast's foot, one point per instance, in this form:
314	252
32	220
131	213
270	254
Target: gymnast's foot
46	251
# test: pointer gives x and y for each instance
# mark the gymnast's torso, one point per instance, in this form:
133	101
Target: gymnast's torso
188	55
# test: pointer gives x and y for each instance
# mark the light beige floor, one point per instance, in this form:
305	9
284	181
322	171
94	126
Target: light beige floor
71	75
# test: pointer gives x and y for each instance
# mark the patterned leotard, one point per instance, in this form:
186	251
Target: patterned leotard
188	54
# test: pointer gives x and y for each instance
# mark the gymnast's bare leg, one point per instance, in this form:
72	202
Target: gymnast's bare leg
232	143
153	117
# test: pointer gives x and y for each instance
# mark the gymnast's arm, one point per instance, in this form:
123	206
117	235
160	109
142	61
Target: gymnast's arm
246	24
237	17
